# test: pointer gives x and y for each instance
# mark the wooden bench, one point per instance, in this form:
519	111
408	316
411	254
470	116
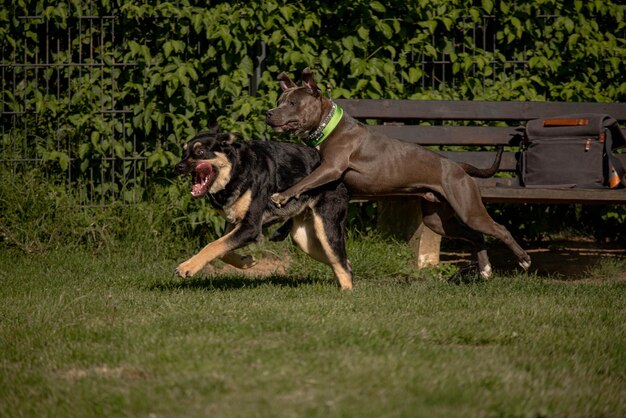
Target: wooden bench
441	125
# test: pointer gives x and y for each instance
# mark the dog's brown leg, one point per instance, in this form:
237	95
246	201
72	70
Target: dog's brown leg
440	218
234	259
327	172
213	250
342	271
464	197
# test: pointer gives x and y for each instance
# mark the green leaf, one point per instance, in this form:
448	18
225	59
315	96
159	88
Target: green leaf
291	31
518	26
578	5
95	139
430	50
167	48
246	65
83	149
432	26
415	74
325	62
385	29
64	160
348	42
377	7
487	5
119	150
170	89
363	32
286	12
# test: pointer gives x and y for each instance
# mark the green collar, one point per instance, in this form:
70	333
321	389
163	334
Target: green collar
326	128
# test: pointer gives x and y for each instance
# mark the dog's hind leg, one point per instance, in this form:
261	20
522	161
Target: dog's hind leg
439	217
319	237
330	229
282	232
464	197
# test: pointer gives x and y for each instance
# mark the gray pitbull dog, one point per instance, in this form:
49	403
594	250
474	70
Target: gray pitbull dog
373	164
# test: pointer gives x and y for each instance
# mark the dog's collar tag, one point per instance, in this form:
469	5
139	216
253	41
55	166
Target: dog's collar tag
326	128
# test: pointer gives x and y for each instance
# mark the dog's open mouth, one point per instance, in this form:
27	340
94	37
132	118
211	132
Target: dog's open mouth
203	176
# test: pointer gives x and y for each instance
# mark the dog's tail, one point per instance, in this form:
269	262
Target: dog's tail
484	173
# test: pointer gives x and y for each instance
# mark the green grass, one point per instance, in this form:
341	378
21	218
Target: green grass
117	334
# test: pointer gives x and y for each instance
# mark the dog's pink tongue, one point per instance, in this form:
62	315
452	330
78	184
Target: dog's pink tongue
204	168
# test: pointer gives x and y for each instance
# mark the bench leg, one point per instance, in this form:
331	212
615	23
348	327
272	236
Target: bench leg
427	248
402	220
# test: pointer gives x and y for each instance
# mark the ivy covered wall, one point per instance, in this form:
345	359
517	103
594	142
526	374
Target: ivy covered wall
103	93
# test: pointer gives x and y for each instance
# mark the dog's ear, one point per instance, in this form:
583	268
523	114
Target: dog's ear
308	80
228	138
285	82
214	128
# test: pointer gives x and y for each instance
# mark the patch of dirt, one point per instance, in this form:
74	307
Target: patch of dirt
126	373
572	259
264	267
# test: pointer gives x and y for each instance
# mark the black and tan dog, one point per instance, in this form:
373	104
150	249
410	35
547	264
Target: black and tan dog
240	176
373	164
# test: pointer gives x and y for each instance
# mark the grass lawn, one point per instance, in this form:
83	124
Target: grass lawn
117	334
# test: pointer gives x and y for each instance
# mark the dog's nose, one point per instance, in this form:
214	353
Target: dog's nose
268	115
180	168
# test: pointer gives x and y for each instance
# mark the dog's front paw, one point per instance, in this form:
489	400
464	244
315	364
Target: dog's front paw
279	199
187	269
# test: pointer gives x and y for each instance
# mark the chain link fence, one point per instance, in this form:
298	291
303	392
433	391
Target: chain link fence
53	77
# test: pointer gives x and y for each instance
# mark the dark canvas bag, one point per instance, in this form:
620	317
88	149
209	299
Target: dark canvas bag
572	151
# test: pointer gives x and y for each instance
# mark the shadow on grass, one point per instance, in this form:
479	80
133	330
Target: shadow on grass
554	260
467	274
234	282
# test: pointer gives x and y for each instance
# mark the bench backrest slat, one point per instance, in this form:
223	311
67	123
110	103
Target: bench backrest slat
484	159
472	109
454	135
446	135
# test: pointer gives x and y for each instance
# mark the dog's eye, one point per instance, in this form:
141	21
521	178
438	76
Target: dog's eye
200	152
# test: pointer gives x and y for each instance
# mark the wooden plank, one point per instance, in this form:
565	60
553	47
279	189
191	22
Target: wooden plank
495	194
472	109
452	135
497	182
555	196
483	159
